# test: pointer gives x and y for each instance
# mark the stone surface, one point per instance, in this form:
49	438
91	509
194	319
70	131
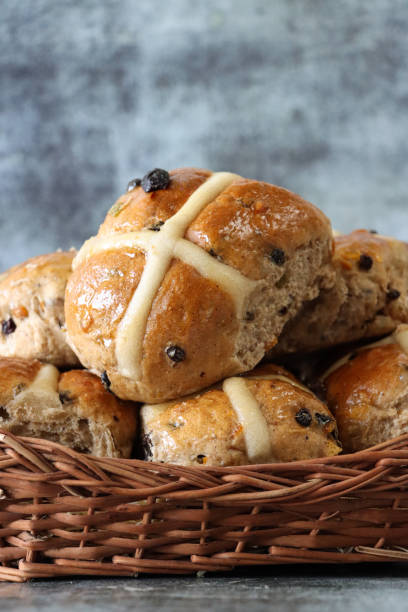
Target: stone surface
297	589
309	94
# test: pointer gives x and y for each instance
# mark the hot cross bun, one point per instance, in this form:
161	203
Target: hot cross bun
191	278
367	390
32	310
265	416
368	299
72	408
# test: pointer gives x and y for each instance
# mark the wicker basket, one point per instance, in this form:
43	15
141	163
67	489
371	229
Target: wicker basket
65	514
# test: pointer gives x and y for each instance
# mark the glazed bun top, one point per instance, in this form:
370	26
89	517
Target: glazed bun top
235	219
370	373
262	417
367	391
202	235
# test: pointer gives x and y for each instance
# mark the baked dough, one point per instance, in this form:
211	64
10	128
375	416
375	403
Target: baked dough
32	310
369	298
72	408
265	416
367	390
192	283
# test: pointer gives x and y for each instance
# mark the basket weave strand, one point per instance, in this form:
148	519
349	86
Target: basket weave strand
64	514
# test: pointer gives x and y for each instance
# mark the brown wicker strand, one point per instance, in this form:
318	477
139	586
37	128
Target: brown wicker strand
66	514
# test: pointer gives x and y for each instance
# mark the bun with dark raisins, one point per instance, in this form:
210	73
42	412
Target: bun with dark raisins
367	391
32	310
368	299
72	408
191	279
265	416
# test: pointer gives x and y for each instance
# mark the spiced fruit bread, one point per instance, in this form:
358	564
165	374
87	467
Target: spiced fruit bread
367	391
191	279
32	310
266	416
368	299
72	408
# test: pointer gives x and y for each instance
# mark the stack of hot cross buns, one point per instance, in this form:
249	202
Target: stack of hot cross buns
175	333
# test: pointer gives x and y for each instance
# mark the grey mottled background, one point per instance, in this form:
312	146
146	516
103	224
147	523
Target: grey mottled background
310	94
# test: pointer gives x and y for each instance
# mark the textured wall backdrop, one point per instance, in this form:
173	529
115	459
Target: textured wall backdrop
310	94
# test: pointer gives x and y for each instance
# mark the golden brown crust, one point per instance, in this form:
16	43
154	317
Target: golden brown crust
368	299
92	401
72	408
388	274
15	375
36	267
369	396
98	294
138	210
32	297
247	223
199	310
206	429
250	219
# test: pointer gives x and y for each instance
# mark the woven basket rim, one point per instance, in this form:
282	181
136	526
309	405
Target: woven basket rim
334	459
65	513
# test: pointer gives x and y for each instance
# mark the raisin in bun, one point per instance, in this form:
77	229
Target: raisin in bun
32	310
265	416
368	299
192	281
72	408
368	392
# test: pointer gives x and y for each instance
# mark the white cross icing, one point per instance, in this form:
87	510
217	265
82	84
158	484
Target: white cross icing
160	248
247	409
250	415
